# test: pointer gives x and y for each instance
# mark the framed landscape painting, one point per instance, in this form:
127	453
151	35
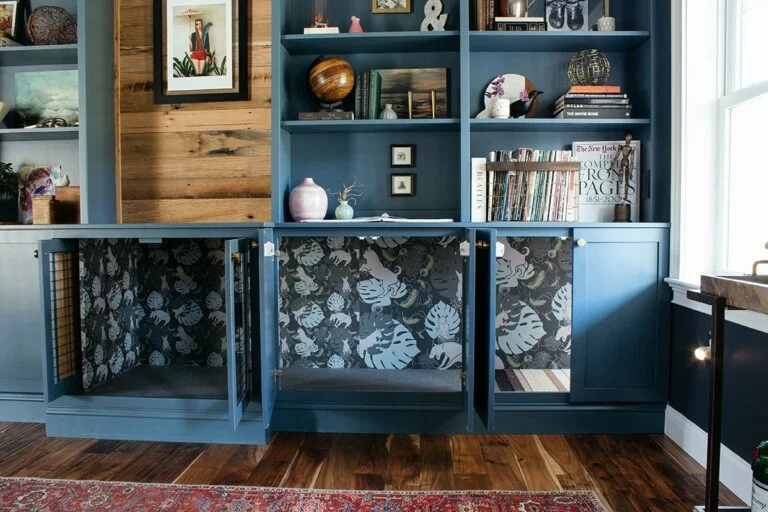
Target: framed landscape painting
197	47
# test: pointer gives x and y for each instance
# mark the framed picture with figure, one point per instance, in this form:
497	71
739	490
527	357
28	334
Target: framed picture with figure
200	50
9	19
391	6
403	185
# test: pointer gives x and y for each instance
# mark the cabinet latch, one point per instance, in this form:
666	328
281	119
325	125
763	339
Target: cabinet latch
269	250
463	377
277	374
464	248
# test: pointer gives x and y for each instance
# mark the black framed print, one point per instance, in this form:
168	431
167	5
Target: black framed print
197	50
402	155
403	185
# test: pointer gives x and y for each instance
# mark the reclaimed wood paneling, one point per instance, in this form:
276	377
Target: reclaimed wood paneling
196	162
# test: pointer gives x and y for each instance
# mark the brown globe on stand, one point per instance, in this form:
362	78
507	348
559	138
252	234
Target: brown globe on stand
331	79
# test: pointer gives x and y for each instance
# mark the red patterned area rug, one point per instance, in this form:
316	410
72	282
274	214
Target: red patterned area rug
38	495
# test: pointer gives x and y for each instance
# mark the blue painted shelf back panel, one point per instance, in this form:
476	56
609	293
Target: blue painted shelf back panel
372	125
371	42
555	125
38	55
538	42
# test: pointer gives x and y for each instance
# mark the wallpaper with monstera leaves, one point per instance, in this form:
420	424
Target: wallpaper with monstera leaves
383	303
108	304
181	293
533	304
150	304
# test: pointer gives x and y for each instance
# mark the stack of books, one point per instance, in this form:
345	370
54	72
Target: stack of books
367	95
527	185
593	102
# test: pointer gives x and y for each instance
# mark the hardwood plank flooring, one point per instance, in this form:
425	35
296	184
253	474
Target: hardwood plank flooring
638	473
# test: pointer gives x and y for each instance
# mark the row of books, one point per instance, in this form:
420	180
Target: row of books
503	191
367	94
593	102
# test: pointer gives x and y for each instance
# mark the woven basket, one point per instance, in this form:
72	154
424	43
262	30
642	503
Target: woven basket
49	24
44	210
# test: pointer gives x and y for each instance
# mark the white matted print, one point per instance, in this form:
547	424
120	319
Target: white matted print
402	155
403	185
200	45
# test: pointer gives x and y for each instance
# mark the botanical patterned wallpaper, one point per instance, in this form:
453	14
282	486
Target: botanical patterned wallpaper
384	303
150	304
181	293
533	304
108	295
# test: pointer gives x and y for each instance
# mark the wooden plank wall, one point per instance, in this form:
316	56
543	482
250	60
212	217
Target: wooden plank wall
196	162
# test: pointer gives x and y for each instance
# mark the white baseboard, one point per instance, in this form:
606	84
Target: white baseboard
735	472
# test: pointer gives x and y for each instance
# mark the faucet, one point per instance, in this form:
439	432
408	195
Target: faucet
759	262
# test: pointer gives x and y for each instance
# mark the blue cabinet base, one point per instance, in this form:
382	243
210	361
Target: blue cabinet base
22	407
166	420
579	419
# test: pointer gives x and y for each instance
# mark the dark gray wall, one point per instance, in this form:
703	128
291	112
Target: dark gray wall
745	401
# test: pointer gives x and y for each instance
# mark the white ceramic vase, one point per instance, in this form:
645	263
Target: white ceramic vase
388	112
606	24
308	201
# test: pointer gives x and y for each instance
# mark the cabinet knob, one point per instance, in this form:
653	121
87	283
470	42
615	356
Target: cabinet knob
36	253
236	257
581	242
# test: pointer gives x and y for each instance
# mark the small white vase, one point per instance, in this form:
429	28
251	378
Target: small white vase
344	211
388	112
308	201
606	24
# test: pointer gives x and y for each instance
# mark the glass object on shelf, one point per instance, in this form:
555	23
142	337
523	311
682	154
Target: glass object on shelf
745	184
319	14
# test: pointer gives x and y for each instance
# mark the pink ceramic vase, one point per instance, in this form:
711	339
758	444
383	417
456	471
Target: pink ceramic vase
355	26
308	201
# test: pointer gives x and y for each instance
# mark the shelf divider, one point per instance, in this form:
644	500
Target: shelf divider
64	54
494	41
371	42
372	125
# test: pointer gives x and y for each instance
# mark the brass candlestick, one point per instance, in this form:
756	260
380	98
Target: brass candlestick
410	104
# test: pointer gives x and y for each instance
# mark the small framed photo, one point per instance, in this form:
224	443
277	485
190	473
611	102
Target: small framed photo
402	155
391	6
403	185
9	19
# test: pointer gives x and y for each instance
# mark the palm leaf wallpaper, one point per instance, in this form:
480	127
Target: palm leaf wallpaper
383	303
157	304
534	282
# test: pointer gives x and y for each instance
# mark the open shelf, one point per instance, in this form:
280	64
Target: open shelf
38	55
553	125
22	134
556	41
372	125
371	42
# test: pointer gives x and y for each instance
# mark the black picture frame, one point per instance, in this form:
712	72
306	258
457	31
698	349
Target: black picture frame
393	161
393	192
241	94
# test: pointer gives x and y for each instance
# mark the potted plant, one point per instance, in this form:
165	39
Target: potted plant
9	193
345	211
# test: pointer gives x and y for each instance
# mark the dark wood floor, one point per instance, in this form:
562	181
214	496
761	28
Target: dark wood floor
631	473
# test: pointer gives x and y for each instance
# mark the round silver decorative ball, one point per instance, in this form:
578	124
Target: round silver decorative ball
589	67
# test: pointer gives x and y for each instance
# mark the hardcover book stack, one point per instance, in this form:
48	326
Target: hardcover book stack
367	95
490	16
527	185
593	102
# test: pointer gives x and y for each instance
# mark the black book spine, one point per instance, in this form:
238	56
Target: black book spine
604	113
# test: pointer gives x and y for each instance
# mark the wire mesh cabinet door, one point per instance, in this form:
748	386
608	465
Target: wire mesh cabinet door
238	282
268	288
59	276
468	375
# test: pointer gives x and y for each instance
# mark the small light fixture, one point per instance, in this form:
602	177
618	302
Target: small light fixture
702	353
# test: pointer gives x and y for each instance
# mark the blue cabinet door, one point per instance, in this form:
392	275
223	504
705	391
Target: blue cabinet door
485	328
468	281
61	317
268	288
22	333
238	278
620	315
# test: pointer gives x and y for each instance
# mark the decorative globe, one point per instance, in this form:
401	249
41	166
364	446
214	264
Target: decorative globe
589	67
331	79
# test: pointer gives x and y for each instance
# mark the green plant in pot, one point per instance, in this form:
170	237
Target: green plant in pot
9	193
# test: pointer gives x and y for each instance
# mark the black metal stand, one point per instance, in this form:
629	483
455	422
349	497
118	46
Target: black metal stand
718	305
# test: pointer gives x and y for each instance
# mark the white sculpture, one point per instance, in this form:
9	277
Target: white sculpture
433	18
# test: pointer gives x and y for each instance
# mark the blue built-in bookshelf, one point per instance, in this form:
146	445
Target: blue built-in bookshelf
336	152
